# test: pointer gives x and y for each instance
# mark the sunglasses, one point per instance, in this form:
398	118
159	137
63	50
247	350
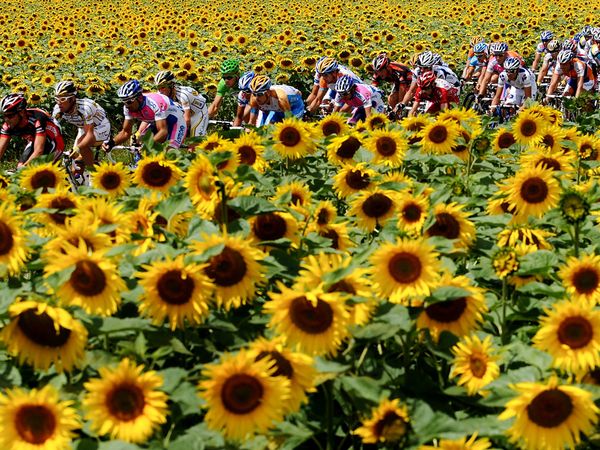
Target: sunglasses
512	70
63	99
130	101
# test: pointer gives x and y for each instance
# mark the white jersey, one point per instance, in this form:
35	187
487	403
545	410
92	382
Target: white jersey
524	79
190	99
441	72
86	112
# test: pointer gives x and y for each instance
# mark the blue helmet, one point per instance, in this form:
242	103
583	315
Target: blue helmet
480	47
547	35
244	81
344	84
130	90
498	48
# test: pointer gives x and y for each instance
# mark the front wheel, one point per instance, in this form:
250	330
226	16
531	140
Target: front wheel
468	101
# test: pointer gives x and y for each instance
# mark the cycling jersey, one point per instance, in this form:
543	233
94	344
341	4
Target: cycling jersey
191	100
444	92
86	112
475	62
399	75
550	60
365	96
442	73
223	89
495	67
514	90
578	69
541	48
343	70
281	98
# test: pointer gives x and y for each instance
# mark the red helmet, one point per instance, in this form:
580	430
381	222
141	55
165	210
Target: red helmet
426	79
13	103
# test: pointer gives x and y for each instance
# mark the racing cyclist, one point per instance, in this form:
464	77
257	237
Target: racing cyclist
500	52
547	69
437	92
273	101
515	84
578	74
327	72
477	63
243	110
360	98
392	72
230	74
542	48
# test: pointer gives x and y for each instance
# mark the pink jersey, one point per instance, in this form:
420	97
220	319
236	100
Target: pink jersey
364	95
156	107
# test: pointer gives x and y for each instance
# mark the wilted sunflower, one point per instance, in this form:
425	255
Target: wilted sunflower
297	367
249	148
460	444
528	128
412	211
405	269
43	176
113	178
36	420
353	179
503	139
342	148
313	321
550	416
273	226
439	136
459	316
125	403
293	139
242	395
157	173
94	284
334	123
581	278
13	247
388	147
41	335
475	363
235	271
533	238
389	422
451	222
534	191
373	208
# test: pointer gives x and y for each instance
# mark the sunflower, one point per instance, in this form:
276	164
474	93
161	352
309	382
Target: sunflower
125	403
532	238
503	139
60	205
552	138
157	173
200	180
451	222
373	208
333	124
408	268
297	367
439	136
249	149
528	128
389	422
13	247
555	160
94	283
353	179
213	142
533	192
581	278
313	321
337	233
113	178
77	228
41	335
388	146
474	363
412	211
36	420
415	124
549	416
342	148
273	226
106	214
588	147
242	395
460	444
293	139
235	271
376	121
300	196
459	315
43	176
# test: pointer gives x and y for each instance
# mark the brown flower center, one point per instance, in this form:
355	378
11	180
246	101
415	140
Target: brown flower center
391	427
550	408
247	154
330	127
44	179
35	424
227	268
477	365
156	175
585	280
126	402
348	148
175	288
438	134
88	279
506	139
269	227
283	366
241	393
6	239
311	319
61	204
412	212
445	225
377	205
448	311
548	163
528	128
534	190
405	267
548	140
333	235
357	180
110	181
342	286
575	332
290	136
212	145
41	329
386	146
323	217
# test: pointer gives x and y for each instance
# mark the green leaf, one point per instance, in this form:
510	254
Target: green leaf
117	445
361	387
248	205
173	205
186	395
172	377
537	288
445	293
140	345
294	435
198	437
323	365
537	263
211	251
116	325
179	347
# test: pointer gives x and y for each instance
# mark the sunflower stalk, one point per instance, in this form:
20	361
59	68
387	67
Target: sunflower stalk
329	414
504	299
576	238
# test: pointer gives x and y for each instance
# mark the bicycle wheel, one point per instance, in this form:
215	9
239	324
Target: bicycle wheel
468	100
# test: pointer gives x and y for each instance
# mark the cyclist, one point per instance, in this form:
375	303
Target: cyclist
477	63
243	99
474	41
195	112
393	72
157	112
358	97
327	72
437	92
230	74
273	100
500	52
552	50
584	42
542	47
93	127
36	126
578	74
515	84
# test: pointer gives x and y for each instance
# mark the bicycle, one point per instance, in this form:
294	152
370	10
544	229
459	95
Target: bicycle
225	128
130	156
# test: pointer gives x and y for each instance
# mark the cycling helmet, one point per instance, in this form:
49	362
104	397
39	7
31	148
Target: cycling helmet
130	90
498	48
244	81
480	47
587	30
13	103
230	67
327	65
426	80
475	40
344	84
565	56
426	59
568	45
596	35
552	46
547	36
260	84
164	78
437	59
380	62
511	63
65	89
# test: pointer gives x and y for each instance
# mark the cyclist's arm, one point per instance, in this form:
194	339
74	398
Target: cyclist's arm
497	95
579	86
317	100
527	92
543	72
282	100
553	83
213	109
125	132
88	139
187	116
4	140
484	82
240	115
162	131
536	60
313	94
410	93
38	147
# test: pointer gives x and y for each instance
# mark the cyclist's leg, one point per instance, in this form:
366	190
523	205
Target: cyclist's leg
297	105
49	147
176	131
199	123
357	115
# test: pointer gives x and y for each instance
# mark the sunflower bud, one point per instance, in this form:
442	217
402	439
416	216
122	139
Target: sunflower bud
505	262
574	206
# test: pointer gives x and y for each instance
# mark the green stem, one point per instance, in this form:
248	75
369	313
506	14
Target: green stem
329	413
504	300
576	238
578	168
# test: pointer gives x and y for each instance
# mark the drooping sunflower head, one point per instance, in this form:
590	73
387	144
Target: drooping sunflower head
342	148
451	222
113	178
387	146
156	172
43	176
389	422
522	235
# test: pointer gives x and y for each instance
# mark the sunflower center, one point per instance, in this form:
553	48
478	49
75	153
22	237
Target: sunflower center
331	127
41	329
377	123
283	366
323	217
175	287
548	140
62	204
333	235
405	267
377	205
386	146
110	181
438	134
550	408
477	365
157	175
126	402
445	225
391	426
6	239
534	190
348	148
548	163
228	268
585	280
342	286
505	140
241	393
576	332
43	179
35	423
412	212
309	318
357	180
290	136
448	311
88	279
528	128
269	227
247	155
